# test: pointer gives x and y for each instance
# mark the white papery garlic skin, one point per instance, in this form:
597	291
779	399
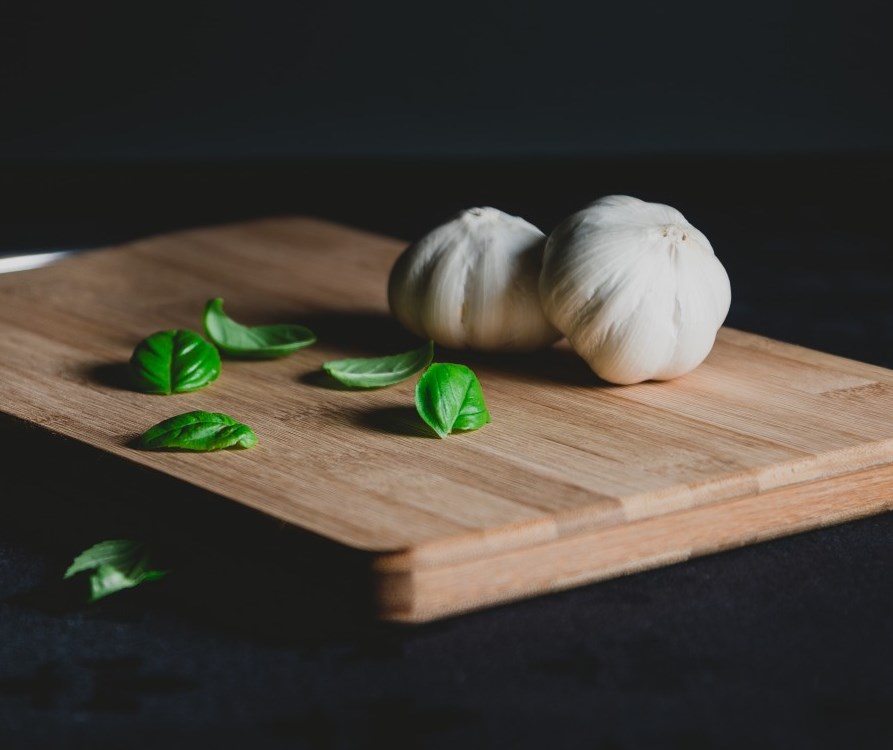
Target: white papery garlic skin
473	283
635	288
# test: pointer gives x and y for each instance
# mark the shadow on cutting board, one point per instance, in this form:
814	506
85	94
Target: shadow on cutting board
393	420
374	334
231	568
112	375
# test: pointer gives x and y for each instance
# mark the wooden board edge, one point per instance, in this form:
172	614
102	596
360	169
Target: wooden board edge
430	593
273	220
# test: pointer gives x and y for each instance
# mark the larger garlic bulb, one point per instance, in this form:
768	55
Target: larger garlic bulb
635	288
472	283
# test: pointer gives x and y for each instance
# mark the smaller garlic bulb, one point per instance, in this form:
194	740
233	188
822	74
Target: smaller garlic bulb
473	283
635	288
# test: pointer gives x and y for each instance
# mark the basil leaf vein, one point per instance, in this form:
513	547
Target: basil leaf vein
198	431
115	565
174	361
449	398
377	372
253	342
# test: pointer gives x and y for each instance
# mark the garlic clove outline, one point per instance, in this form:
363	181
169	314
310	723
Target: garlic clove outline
473	282
636	288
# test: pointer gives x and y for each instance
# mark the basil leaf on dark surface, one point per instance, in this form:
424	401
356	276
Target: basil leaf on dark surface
253	342
174	361
115	565
449	398
377	372
198	431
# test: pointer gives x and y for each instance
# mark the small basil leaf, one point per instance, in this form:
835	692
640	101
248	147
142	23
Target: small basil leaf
449	398
116	564
198	431
173	362
377	372
257	342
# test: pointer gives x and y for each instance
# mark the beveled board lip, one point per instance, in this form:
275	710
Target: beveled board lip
418	595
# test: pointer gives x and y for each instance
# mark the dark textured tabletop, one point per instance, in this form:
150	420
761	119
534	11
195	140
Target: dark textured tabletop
784	644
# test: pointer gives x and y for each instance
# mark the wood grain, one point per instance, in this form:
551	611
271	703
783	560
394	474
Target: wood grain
573	481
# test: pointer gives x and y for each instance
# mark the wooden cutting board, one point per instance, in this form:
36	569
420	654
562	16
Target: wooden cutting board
573	481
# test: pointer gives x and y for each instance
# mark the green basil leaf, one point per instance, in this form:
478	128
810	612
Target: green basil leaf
116	564
449	398
258	342
173	362
377	372
198	431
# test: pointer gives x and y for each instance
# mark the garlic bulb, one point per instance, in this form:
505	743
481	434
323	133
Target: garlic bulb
473	283
635	288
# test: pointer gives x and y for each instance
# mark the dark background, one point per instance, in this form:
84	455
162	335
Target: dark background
118	120
230	79
769	124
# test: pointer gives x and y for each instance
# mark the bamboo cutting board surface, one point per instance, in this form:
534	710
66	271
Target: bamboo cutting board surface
573	481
